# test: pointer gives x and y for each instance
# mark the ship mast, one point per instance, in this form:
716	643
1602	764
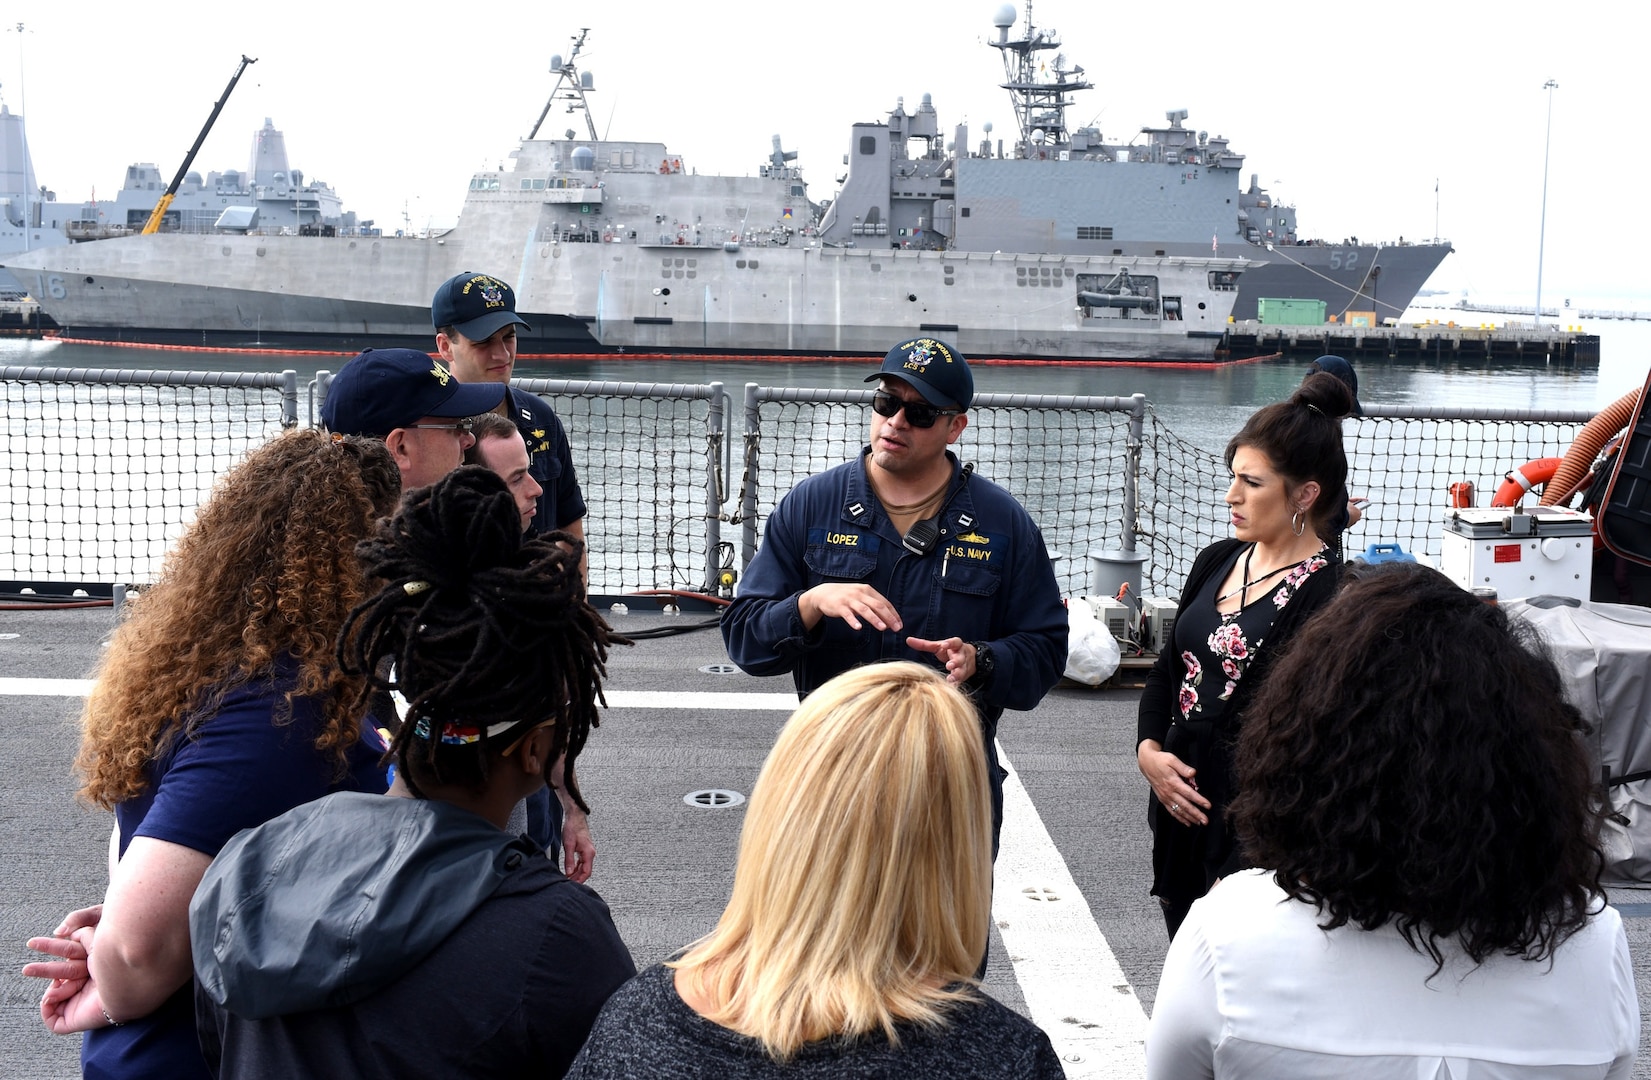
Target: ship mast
1037	89
571	86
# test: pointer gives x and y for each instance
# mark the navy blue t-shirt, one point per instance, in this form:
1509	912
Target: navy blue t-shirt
238	769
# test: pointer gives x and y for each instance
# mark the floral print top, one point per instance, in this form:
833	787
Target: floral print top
1216	649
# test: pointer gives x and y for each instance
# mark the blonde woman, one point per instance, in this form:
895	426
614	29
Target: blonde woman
859	912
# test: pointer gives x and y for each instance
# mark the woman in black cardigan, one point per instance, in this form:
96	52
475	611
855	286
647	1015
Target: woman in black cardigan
1242	601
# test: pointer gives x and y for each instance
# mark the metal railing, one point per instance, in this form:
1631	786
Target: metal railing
100	470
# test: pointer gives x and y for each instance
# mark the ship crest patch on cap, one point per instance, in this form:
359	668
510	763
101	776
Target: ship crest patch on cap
491	290
923	352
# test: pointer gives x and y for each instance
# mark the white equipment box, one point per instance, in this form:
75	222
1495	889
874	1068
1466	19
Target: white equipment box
1111	614
1158	616
1542	550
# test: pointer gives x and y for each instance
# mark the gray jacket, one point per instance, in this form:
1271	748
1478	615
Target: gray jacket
329	902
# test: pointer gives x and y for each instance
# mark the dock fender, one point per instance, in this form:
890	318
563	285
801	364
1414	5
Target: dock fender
1521	480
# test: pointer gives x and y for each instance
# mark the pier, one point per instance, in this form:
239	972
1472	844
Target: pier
1565	346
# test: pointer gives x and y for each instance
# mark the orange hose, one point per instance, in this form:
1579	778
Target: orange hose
1589	441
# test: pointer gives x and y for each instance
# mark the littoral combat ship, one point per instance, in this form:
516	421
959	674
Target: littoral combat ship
1047	248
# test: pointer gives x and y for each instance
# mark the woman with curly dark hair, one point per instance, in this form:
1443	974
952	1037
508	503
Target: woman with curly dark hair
1418	791
413	935
1243	599
218	705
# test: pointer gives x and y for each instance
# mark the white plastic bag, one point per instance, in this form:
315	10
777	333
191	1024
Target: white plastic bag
1092	653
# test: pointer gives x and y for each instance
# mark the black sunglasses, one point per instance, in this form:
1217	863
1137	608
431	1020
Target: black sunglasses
919	414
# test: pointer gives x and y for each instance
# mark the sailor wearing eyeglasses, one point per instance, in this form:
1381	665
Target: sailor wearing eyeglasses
406	398
903	554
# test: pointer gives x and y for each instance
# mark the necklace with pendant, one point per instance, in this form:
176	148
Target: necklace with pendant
1249	582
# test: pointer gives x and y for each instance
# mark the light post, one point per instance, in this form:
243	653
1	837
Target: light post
1542	235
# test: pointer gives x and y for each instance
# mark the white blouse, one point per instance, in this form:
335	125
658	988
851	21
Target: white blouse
1253	989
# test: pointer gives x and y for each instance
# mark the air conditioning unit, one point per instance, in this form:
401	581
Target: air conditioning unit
1112	614
1158	617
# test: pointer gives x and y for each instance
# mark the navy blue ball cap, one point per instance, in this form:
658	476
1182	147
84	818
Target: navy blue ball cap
933	368
476	305
1341	369
384	389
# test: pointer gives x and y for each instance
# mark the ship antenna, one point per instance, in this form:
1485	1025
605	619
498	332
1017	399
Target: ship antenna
1039	100
571	86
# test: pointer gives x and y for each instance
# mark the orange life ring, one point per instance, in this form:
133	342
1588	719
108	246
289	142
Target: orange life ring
1521	480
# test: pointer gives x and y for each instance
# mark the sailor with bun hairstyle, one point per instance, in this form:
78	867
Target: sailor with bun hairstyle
319	934
1243	599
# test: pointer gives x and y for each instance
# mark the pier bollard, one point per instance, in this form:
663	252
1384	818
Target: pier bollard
117	596
1110	568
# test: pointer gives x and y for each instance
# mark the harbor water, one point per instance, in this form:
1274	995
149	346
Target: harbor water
1203	405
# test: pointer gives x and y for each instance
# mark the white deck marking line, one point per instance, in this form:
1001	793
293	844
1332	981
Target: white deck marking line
1073	985
701	699
617	699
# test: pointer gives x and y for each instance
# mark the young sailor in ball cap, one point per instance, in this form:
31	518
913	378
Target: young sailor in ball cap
476	328
903	554
476	323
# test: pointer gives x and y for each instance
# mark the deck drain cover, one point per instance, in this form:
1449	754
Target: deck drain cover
1040	894
713	797
719	669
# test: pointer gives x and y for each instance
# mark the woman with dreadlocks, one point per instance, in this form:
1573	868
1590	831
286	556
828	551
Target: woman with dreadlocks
218	705
346	938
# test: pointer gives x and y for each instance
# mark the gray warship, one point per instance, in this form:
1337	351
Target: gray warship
1056	246
269	196
617	245
32	218
1173	192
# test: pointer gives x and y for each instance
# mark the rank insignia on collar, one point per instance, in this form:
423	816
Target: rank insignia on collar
964	521
856	509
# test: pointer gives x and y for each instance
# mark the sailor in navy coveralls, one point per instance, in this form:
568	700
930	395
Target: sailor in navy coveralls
904	554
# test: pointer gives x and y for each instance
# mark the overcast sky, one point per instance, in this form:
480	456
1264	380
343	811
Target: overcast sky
1351	112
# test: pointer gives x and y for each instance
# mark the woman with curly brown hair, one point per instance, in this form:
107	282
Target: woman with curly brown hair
1243	599
218	705
1418	791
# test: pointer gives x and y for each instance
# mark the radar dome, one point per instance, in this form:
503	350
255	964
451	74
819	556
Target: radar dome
988	126
587	81
584	159
1005	17
556	61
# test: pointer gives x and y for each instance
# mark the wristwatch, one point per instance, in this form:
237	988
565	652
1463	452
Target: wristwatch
985	663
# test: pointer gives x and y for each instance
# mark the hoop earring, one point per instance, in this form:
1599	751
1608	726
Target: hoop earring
1298	522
